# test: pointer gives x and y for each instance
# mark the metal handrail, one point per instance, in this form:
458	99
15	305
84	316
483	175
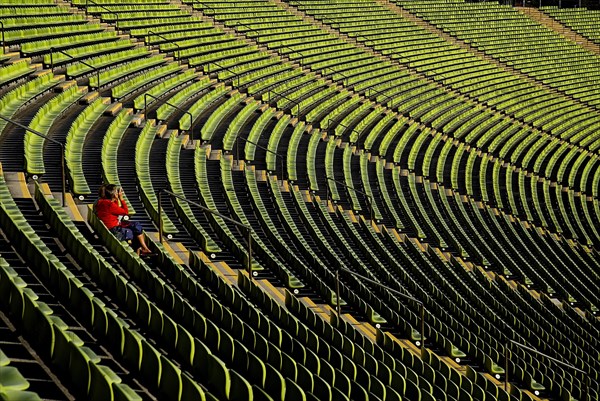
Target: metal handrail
386	97
292	51
62	159
359	134
235	74
104	8
263	148
586	395
283	97
191	130
331	21
398	293
147	41
346	78
2	26
52	50
237	23
205	5
366	195
204	209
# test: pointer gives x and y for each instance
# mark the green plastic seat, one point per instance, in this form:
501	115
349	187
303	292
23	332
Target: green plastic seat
123	392
18	395
171	383
12	379
103	380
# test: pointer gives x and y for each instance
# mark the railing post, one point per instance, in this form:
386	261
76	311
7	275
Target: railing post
506	356
146	106
237	149
63	175
250	253
191	127
337	294
422	310
3	41
160	225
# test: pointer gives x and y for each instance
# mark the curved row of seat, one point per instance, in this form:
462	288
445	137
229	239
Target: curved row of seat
302	240
444	110
554	63
581	20
510	144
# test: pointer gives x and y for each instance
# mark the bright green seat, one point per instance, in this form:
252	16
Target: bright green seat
12	379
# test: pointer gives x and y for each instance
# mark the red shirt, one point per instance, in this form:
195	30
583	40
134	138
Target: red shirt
108	212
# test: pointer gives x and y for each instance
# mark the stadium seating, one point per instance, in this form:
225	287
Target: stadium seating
448	158
581	20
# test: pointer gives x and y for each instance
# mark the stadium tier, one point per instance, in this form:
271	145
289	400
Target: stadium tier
344	200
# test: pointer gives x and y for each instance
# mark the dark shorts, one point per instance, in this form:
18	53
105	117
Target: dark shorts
127	231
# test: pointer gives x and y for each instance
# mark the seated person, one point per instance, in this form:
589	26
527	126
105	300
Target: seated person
111	210
101	195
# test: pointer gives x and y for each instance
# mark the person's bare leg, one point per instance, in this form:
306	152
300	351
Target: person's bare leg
143	246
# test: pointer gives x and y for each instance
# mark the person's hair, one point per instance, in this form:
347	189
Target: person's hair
111	191
102	191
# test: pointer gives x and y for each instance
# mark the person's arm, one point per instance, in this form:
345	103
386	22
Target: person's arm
119	210
122	202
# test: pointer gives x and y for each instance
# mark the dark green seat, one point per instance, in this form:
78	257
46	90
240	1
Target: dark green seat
240	388
125	393
275	384
218	376
256	369
185	345
79	367
190	390
103	380
293	392
170	380
132	349
151	367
